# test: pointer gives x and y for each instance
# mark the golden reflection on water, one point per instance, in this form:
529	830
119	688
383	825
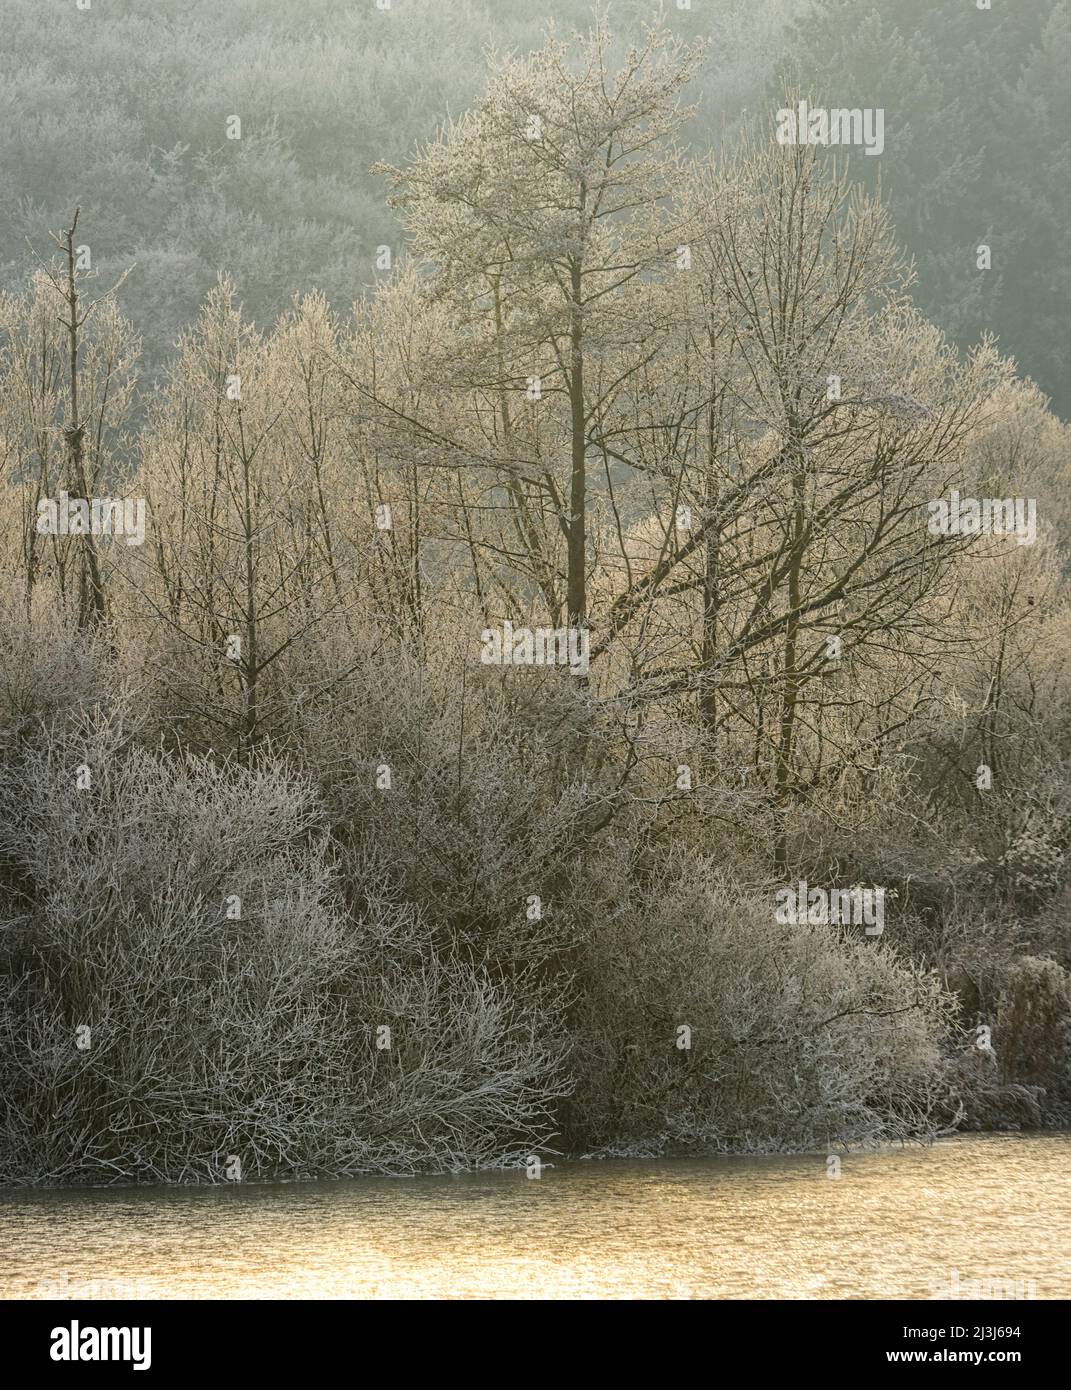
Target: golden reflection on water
893	1225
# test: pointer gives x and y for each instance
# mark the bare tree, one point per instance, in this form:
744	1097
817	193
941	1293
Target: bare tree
544	213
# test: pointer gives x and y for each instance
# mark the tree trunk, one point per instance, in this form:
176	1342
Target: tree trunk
576	595
790	694
91	608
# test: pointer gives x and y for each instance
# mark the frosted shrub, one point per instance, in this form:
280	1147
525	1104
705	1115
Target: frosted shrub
184	996
48	668
1032	1022
1034	865
706	1025
470	793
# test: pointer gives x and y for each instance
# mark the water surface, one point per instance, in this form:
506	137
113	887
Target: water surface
893	1225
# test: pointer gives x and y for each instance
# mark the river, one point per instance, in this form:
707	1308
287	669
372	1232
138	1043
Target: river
902	1223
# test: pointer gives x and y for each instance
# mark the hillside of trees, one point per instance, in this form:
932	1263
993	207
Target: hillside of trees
123	109
976	110
306	856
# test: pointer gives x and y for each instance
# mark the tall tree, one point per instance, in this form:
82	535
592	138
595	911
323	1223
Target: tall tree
545	214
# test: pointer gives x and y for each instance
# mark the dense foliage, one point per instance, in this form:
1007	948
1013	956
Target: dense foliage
307	863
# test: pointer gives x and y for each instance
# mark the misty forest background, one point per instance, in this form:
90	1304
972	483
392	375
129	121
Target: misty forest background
335	897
